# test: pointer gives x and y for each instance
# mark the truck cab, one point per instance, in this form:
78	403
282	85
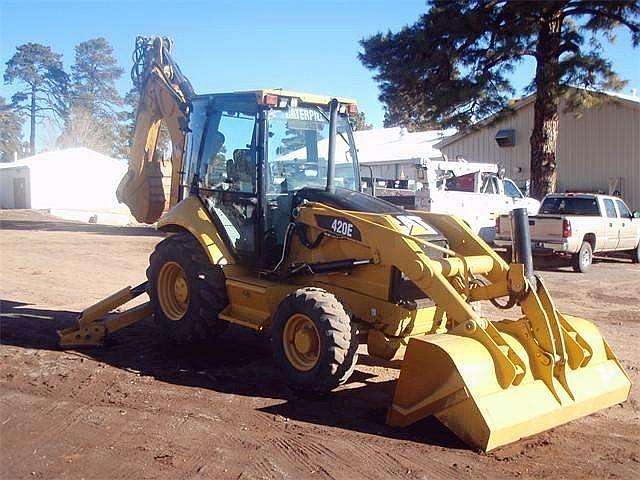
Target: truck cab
476	192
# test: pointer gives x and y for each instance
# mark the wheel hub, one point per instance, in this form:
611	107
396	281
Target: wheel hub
173	291
181	290
304	340
301	342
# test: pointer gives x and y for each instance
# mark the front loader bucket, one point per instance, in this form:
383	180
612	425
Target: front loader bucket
454	378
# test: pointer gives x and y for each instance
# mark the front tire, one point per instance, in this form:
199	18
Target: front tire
581	261
187	291
314	342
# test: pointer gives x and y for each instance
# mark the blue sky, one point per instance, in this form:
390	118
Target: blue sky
225	46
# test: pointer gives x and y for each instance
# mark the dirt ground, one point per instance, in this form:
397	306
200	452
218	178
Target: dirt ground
140	408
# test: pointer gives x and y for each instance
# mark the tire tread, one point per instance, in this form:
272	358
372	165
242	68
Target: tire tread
207	290
334	325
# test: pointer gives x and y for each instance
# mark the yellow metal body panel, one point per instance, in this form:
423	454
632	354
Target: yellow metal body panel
252	300
191	216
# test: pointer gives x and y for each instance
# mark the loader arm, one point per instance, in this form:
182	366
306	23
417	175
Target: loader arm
164	97
490	382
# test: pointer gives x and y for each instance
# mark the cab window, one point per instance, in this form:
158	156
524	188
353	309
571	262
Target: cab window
511	190
227	175
461	183
489	185
610	208
229	156
624	211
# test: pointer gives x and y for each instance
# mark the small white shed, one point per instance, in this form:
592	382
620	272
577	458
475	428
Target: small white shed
64	181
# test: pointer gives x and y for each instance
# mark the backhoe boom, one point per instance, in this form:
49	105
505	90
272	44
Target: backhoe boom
151	186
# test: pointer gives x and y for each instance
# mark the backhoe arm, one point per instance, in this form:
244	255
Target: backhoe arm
148	189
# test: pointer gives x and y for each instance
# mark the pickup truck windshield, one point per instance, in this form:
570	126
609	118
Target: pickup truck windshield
587	207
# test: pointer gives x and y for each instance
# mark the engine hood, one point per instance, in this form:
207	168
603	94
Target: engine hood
344	199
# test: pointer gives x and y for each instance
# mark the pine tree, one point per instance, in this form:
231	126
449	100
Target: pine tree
43	85
452	66
95	102
360	122
94	74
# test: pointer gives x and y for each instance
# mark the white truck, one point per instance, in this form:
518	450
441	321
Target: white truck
476	192
575	226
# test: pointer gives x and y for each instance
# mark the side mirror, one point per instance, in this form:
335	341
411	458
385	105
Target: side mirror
636	214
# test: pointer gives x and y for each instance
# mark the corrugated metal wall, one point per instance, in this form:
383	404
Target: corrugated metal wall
601	146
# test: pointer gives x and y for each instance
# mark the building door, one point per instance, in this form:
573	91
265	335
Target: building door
20	193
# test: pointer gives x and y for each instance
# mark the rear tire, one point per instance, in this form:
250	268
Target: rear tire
635	254
314	342
187	291
581	261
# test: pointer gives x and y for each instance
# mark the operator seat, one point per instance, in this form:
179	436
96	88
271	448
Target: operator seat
241	171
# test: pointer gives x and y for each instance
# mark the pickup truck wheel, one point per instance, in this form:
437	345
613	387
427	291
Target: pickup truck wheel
582	260
635	254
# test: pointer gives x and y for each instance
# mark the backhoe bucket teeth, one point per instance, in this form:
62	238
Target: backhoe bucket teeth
454	378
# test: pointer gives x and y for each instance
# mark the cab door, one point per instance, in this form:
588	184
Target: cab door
513	192
612	225
493	203
227	177
627	230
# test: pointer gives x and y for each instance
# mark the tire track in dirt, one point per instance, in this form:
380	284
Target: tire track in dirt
66	420
332	456
289	453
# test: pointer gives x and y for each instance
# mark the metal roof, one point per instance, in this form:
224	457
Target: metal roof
517	104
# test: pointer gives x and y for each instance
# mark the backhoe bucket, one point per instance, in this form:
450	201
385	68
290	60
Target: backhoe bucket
455	378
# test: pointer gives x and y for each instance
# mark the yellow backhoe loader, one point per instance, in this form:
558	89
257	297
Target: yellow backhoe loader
270	230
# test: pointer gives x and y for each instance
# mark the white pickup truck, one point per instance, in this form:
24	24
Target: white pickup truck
576	226
476	192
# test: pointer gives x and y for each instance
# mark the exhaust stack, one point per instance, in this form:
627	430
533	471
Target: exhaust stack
521	242
331	156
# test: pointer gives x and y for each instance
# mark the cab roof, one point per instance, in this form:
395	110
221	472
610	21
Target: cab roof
310	98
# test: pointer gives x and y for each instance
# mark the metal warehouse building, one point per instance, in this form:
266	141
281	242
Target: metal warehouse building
598	151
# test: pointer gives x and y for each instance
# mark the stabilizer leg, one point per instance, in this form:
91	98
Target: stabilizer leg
93	327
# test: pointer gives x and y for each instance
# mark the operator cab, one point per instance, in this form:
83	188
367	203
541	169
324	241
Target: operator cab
252	156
